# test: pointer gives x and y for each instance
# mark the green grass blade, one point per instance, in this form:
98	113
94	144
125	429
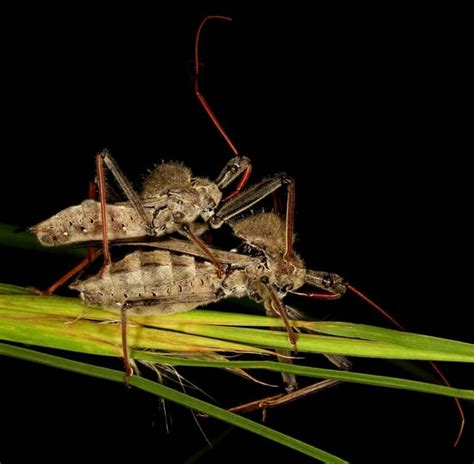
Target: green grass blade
174	396
366	332
9	289
50	315
324	344
72	307
103	339
313	372
47	322
58	322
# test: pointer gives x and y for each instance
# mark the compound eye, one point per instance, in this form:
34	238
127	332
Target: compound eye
216	222
234	169
265	279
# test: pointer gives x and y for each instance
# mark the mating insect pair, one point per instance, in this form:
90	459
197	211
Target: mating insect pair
177	275
180	275
171	200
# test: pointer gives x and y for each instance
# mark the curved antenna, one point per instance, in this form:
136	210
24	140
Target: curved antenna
433	365
199	95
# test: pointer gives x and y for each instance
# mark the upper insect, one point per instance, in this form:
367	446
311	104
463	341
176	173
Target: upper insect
170	199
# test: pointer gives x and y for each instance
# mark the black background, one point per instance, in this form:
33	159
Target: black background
363	107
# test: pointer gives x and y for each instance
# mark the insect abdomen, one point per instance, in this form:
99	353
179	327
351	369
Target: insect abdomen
152	282
83	222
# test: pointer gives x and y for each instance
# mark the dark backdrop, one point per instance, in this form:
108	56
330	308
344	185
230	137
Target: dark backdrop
363	107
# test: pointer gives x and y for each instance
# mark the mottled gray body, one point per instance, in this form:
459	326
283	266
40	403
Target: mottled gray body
171	198
83	222
177	276
151	282
161	282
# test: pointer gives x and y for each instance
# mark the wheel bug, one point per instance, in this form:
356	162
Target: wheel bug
171	200
324	280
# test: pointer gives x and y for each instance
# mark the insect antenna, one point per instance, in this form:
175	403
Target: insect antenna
433	365
338	293
197	91
197	64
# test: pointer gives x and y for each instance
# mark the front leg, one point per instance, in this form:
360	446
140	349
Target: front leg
248	198
186	230
105	158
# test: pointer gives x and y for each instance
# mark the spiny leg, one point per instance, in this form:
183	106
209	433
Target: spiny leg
290	220
248	198
282	399
103	208
104	158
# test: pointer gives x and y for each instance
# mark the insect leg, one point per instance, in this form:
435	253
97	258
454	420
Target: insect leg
76	269
281	399
248	198
187	231
125	350
103	207
104	157
92	195
274	306
91	256
289	219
